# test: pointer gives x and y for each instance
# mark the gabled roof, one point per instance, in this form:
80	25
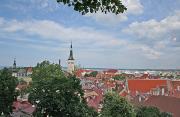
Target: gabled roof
92	93
94	102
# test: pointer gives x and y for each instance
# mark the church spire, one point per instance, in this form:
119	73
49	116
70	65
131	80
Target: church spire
71	61
14	64
71	53
59	62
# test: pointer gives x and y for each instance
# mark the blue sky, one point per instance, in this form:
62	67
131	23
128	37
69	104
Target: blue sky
147	35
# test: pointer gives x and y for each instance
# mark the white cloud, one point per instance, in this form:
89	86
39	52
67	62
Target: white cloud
154	29
107	19
134	7
1	21
46	5
146	50
156	37
51	30
85	37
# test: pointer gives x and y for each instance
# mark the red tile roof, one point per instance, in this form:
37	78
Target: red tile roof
29	69
123	93
80	71
145	85
165	103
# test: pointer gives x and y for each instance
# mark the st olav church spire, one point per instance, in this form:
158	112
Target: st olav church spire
71	61
14	70
71	53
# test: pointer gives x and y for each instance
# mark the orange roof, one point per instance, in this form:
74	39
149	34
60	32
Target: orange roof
145	85
80	71
29	69
123	93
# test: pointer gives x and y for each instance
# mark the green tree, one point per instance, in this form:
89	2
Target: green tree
145	111
8	94
116	106
92	74
56	95
148	112
92	6
119	77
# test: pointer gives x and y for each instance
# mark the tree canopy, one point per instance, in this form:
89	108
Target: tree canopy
151	112
7	91
116	106
92	74
119	77
56	95
93	6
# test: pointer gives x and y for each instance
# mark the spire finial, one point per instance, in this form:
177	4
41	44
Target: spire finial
14	60
71	44
14	64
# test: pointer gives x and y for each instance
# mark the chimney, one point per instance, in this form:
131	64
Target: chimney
140	98
162	91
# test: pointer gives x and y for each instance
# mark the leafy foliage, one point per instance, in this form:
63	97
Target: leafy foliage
56	95
92	6
151	112
116	106
7	91
119	77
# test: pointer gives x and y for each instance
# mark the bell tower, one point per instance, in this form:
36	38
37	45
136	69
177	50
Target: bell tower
70	61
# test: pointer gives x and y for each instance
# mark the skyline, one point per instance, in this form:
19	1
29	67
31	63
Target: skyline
147	35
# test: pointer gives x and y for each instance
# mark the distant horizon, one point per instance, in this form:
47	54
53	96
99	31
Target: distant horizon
106	68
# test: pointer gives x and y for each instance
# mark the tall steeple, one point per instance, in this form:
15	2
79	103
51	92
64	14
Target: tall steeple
70	61
14	71
59	62
14	64
71	53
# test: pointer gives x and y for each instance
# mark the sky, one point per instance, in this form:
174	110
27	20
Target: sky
147	35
